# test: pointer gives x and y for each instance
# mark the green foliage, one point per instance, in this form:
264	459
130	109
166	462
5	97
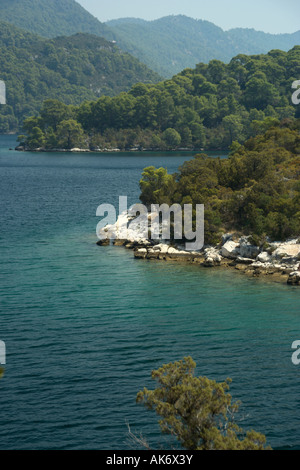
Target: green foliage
156	186
52	113
255	191
198	411
167	45
209	107
37	138
171	138
171	44
51	18
70	134
233	124
69	69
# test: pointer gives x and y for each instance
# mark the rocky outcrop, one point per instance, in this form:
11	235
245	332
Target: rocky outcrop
104	242
230	249
141	253
287	251
166	252
240	248
247	249
294	278
212	257
273	258
278	260
264	257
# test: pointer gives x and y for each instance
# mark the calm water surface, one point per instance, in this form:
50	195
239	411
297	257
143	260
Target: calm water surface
84	326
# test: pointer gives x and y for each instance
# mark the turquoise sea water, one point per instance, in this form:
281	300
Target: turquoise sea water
85	325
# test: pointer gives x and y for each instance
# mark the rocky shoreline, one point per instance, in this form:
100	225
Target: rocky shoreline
22	148
277	261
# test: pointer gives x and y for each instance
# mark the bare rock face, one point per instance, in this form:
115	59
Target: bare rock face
294	278
264	257
247	249
212	257
119	242
177	255
140	253
246	261
230	250
287	250
104	242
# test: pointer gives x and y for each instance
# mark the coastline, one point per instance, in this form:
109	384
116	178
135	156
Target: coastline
276	273
278	262
22	148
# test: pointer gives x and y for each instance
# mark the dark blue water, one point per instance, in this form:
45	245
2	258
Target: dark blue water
84	326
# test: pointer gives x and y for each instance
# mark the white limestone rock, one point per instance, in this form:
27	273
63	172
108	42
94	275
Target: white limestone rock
162	248
247	249
212	257
287	250
264	257
294	278
230	250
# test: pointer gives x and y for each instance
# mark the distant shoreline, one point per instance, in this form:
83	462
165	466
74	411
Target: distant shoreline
117	150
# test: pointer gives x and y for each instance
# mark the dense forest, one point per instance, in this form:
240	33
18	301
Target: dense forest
256	191
170	44
72	69
167	45
208	107
52	18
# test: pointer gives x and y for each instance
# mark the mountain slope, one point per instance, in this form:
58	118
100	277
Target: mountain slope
51	18
212	106
172	43
167	45
72	69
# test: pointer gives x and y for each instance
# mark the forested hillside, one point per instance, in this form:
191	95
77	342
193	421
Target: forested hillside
256	191
72	69
51	18
167	45
173	43
211	107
